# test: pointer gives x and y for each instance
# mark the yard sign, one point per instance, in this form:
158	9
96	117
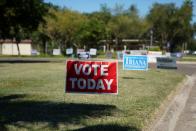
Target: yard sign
92	77
69	51
166	63
93	51
133	62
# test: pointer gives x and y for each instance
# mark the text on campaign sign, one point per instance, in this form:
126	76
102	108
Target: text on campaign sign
91	77
132	62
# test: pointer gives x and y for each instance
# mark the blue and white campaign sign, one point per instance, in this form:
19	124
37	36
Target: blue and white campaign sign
120	55
133	62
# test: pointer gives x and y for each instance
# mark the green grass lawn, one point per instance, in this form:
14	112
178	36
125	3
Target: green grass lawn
189	58
32	98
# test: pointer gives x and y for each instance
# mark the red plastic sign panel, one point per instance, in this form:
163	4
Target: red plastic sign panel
92	77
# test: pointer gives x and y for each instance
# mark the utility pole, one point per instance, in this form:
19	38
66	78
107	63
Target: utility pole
151	37
46	48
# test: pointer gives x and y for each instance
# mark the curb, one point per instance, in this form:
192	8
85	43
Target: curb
168	113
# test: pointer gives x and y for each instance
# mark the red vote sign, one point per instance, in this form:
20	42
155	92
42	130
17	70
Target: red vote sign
92	77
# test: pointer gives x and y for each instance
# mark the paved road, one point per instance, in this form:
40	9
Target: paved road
187	119
187	68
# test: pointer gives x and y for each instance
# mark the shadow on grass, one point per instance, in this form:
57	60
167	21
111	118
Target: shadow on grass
11	97
14	108
109	127
139	78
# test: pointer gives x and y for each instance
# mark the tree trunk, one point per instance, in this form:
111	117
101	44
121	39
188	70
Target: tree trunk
108	47
116	42
17	43
172	46
46	48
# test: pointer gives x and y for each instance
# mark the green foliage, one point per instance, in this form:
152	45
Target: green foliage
192	45
172	24
64	28
155	49
127	25
20	16
68	28
90	33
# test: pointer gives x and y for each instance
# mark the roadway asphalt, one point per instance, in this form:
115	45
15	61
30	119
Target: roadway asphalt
188	68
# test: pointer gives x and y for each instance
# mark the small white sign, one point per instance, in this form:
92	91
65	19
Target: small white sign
166	63
56	52
34	52
154	53
167	54
152	56
93	51
69	51
80	50
84	55
138	52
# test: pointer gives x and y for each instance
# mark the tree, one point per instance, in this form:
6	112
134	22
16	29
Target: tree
97	27
126	25
171	24
192	44
159	17
62	27
186	34
91	32
40	41
20	17
118	10
133	11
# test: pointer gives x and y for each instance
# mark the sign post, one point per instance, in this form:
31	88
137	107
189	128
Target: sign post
120	55
92	77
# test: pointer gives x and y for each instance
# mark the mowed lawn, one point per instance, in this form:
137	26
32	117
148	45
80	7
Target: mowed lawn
32	98
190	58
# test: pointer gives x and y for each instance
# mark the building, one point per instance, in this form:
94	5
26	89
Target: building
9	47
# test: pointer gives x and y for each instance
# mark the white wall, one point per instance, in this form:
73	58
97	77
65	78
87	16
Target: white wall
11	49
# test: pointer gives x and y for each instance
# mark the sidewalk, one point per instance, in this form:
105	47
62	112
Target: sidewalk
180	113
170	118
187	119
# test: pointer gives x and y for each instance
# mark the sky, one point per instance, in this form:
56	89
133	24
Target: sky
89	6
